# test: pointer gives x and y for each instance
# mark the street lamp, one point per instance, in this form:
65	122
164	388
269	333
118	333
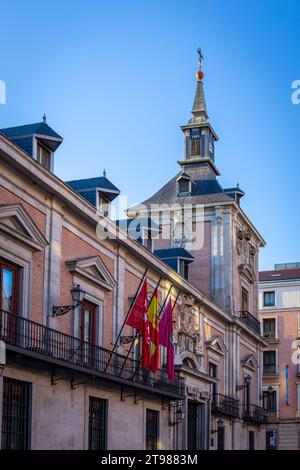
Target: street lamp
77	296
220	425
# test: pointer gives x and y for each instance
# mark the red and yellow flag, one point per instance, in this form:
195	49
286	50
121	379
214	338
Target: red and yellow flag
153	313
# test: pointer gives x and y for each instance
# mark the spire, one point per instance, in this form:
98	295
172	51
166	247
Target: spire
199	108
44	118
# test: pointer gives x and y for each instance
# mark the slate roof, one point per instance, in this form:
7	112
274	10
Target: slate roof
145	222
279	275
40	128
204	191
168	253
93	183
88	188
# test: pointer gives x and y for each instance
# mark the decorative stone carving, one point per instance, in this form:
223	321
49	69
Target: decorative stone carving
186	326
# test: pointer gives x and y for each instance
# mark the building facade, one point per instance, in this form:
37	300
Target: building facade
71	377
279	311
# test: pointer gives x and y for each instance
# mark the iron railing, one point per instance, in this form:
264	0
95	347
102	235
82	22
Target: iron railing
255	414
270	370
270	335
40	340
250	321
224	404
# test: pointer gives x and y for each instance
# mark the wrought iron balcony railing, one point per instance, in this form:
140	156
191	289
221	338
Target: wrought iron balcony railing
226	405
271	336
41	341
255	414
269	370
250	321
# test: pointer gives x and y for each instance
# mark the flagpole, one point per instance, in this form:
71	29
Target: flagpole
159	318
126	317
131	346
162	307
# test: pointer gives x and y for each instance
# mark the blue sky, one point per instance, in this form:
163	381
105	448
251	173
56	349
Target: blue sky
117	79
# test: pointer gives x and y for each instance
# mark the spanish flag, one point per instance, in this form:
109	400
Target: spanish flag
153	313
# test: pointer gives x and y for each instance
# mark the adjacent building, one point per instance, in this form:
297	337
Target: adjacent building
72	377
279	311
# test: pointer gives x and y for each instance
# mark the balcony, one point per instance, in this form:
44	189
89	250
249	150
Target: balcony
42	343
255	414
250	321
270	370
225	405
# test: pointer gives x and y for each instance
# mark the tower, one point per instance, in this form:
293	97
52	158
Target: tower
200	136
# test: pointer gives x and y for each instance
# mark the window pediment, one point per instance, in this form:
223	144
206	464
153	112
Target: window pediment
17	223
250	362
247	271
216	344
93	269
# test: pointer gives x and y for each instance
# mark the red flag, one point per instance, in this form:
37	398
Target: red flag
146	354
166	338
136	315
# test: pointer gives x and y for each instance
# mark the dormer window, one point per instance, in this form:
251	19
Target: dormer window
184	187
184	184
44	156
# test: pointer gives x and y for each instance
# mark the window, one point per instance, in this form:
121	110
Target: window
9	286
269	299
184	186
270	401
251	440
44	156
269	328
213	372
152	428
97	423
244	299
269	362
271	439
15	417
183	268
195	147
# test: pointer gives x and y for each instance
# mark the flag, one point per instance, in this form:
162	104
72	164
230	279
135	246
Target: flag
166	338
136	315
146	353
154	331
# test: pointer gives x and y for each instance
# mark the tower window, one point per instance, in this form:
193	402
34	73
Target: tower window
195	149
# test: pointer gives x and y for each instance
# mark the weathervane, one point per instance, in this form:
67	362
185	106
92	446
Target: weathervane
200	57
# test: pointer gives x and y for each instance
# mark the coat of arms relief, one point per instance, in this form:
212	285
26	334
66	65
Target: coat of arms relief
187	332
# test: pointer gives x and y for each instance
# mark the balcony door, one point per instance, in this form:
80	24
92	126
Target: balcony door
245	299
9	285
87	329
9	301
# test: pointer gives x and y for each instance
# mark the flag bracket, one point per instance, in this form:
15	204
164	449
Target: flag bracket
137	400
123	396
55	379
74	384
126	340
